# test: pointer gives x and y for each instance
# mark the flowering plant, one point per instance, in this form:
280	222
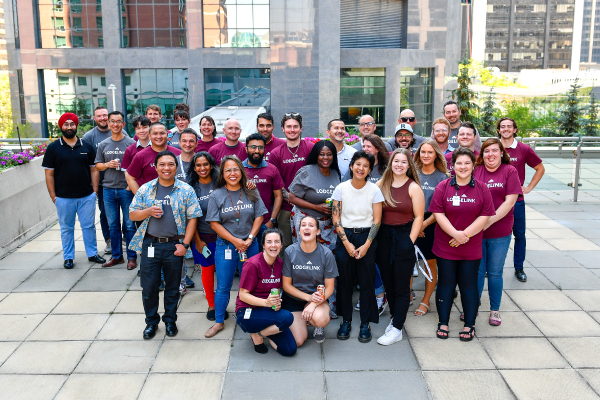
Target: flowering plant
350	139
10	159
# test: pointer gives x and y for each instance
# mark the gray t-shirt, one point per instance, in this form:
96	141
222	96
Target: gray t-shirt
203	193
311	185
220	209
429	183
392	144
308	270
95	136
174	141
164	226
375	175
109	150
453	138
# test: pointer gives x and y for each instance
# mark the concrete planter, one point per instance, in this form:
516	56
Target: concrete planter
25	207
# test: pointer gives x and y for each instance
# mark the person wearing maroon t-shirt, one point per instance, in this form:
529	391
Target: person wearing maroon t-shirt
265	126
232	145
142	169
142	132
208	135
494	170
267	180
462	206
288	159
520	155
466	138
257	309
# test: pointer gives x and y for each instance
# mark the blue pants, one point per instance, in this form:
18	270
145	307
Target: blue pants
263	317
262	229
519	232
378	282
226	272
85	209
103	217
116	201
492	261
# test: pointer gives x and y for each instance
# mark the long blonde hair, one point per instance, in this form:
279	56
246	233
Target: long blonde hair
385	183
439	162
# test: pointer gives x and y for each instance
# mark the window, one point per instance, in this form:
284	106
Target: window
62	95
98	5
416	88
102	81
164	87
371	24
237	87
68	16
100	41
362	91
145	23
236	23
16	24
21	96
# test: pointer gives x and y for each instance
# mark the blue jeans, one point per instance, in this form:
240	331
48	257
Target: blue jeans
492	261
262	229
85	209
225	273
378	282
116	200
263	317
519	232
103	217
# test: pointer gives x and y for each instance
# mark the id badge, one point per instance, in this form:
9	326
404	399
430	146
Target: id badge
456	201
228	254
247	313
150	252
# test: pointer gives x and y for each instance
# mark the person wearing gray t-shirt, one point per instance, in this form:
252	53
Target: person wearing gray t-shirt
116	195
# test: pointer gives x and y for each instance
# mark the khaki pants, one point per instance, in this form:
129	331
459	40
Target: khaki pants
284	224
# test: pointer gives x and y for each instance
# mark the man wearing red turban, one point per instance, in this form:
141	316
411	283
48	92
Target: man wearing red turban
72	182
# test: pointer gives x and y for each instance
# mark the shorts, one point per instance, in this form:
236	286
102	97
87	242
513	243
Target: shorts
292	304
200	259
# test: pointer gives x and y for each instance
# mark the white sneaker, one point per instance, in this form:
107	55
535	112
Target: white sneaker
108	248
415	271
319	335
394	335
390	326
357	307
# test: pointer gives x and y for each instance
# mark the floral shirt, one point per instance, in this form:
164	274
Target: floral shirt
183	202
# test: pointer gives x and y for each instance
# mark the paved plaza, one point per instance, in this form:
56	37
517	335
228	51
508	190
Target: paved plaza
77	334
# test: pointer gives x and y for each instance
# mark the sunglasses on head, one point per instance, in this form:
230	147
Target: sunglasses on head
407	119
293	114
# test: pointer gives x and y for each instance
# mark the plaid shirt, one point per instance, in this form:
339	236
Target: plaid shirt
183	202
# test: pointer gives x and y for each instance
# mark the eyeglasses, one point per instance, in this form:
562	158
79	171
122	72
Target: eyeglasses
441	131
404	135
407	119
293	114
366	123
115	122
254	147
231	170
69	125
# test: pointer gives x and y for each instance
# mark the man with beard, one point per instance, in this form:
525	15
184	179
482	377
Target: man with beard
441	132
231	146
336	130
265	124
452	113
404	136
94	136
407	116
267	180
72	182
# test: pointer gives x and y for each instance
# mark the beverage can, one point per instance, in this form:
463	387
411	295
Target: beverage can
329	201
243	256
119	161
274	292
158	203
321	290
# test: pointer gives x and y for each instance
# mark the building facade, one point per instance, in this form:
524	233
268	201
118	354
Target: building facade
324	59
527	34
590	35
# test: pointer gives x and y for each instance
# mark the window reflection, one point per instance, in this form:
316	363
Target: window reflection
416	92
237	87
236	23
69	23
362	91
153	24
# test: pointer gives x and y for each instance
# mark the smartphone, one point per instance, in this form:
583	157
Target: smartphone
206	252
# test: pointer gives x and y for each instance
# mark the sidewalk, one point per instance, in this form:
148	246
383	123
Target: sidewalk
73	334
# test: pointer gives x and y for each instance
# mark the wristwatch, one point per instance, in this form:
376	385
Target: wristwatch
251	236
273	220
187	246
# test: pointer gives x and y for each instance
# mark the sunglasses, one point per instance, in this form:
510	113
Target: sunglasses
293	114
407	119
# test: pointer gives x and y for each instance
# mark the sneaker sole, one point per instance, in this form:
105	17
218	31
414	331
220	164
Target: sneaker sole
383	309
320	340
388	344
340	337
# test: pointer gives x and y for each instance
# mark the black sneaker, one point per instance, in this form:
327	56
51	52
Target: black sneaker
364	336
344	331
521	276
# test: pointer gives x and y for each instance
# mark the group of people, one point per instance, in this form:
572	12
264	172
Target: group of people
304	225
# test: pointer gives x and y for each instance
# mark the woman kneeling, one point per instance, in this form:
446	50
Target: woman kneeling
257	308
307	267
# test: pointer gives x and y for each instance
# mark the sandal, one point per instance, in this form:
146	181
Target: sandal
495	319
420	313
470	332
440	330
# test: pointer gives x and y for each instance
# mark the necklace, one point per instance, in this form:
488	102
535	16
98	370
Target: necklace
296	153
270	266
239	212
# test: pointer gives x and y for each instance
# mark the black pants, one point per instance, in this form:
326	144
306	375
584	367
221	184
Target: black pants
465	273
351	270
165	259
396	260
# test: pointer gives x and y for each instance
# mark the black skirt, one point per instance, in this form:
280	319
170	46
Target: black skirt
425	244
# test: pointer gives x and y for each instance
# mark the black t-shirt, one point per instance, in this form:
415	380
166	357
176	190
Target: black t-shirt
71	165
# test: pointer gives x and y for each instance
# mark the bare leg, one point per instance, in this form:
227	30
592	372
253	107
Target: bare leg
320	318
270	330
299	329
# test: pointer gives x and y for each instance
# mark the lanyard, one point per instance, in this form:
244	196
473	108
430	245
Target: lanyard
181	166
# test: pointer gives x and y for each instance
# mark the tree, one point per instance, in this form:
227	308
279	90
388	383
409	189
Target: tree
6	111
488	119
464	95
568	120
590	126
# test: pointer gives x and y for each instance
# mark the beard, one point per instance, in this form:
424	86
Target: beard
256	158
69	133
103	127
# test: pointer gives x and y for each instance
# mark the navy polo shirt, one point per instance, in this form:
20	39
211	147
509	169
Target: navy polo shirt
71	165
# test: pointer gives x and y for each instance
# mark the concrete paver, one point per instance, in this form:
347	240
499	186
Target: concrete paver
18	327
295	385
548	384
565	323
389	384
582	352
119	357
450	354
31	387
214	356
523	353
542	300
102	387
183	386
467	384
588	300
45	358
69	327
88	303
30	303
50	280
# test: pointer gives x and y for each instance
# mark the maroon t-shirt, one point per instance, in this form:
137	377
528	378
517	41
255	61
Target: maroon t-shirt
448	158
501	183
474	202
272	145
130	152
221	150
288	162
521	156
258	279
267	179
142	167
205	146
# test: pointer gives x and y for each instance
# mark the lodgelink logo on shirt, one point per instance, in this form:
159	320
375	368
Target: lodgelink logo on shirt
425	186
271	280
463	199
240	206
327	191
294	160
115	151
492	184
514	159
205	197
256	179
309	266
166	200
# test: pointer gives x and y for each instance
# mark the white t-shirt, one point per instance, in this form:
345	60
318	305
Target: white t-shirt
357	204
344	158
